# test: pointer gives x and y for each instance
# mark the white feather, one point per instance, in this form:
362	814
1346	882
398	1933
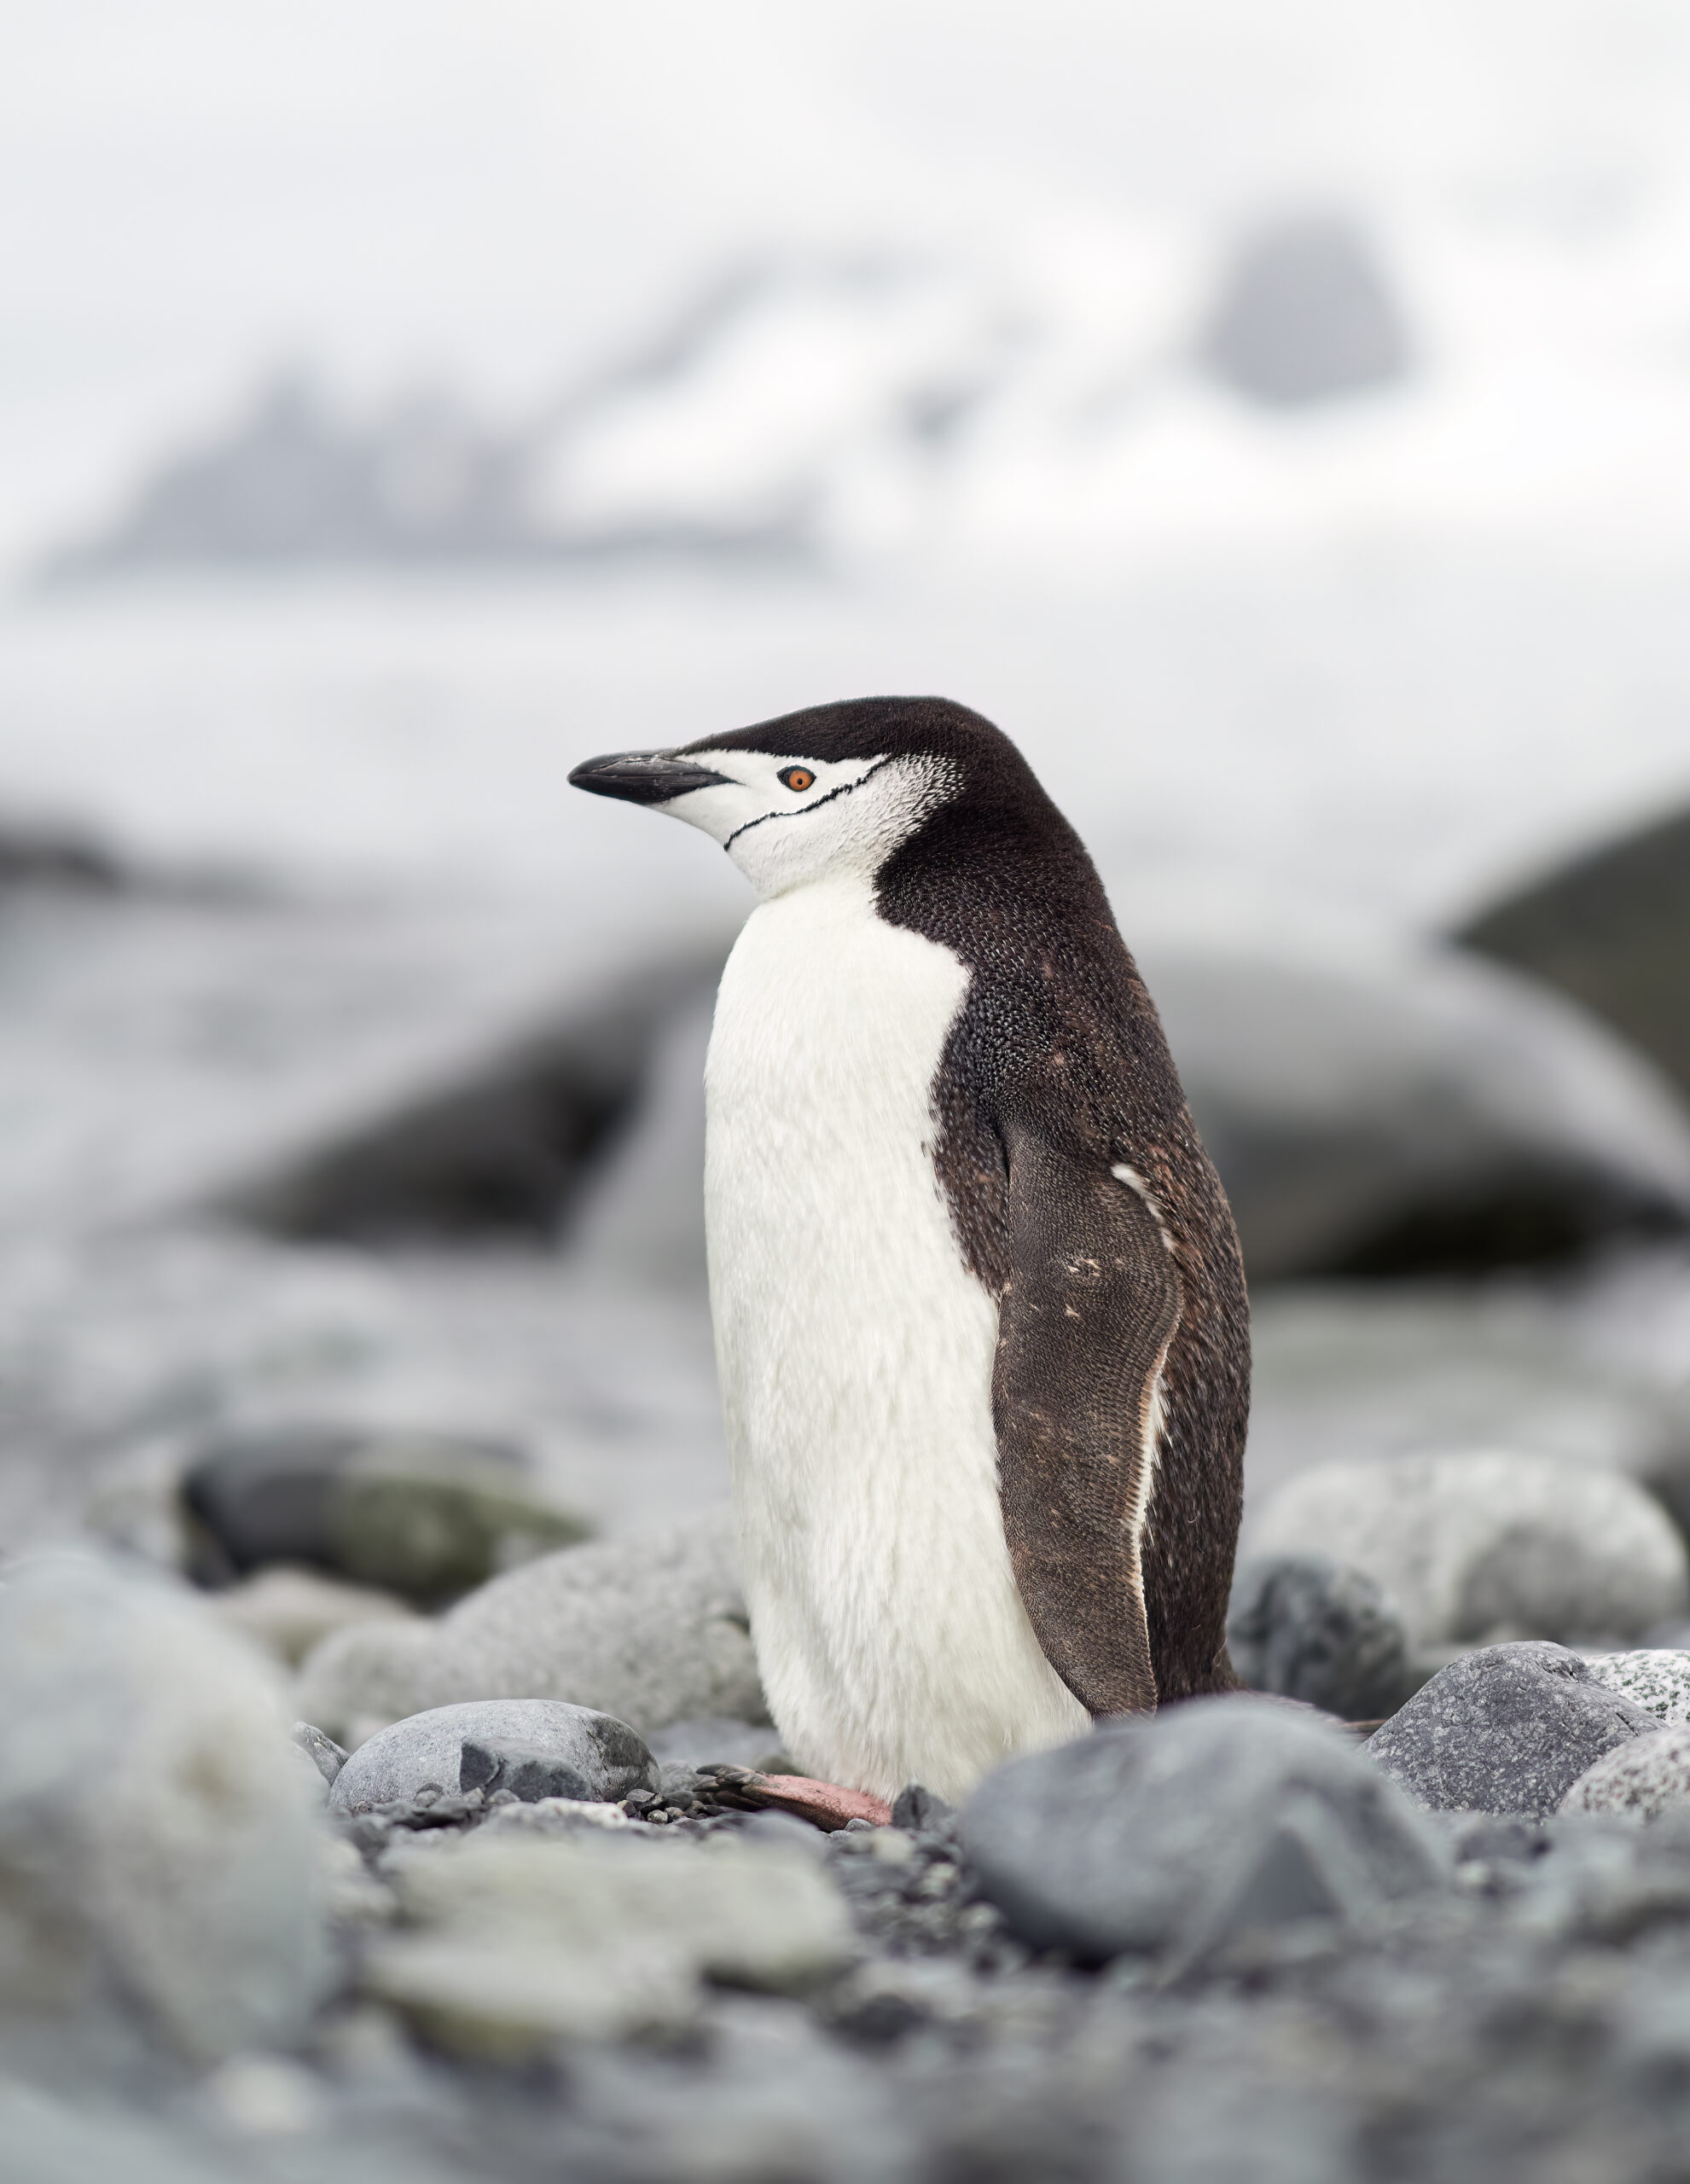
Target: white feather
856	1353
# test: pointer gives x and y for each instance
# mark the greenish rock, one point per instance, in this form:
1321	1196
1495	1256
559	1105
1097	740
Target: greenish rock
424	1519
429	1516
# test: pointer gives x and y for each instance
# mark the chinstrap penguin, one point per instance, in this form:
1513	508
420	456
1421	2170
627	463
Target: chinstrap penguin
980	1314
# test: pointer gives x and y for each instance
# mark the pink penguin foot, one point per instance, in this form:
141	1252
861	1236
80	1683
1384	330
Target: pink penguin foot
824	1805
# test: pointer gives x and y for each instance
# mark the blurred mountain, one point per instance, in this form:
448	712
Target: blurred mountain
293	482
828	406
1307	314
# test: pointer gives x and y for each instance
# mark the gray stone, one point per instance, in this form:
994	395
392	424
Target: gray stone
652	1630
608	1759
324	1754
428	1515
1612	928
1305	316
528	1771
361	1680
1656	1678
1305	1627
1509	1729
518	1939
1170	1835
1466	1545
155	1823
1639	1779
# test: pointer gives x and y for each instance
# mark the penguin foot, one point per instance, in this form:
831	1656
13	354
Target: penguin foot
824	1805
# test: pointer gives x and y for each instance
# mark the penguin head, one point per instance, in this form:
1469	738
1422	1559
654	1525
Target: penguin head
832	791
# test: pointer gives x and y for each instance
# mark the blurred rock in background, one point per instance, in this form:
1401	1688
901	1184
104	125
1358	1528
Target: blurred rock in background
1305	314
1612	929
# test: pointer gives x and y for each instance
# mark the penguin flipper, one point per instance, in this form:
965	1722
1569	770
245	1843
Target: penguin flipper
1091	1306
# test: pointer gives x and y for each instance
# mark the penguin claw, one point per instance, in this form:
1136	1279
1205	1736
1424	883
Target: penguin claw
825	1805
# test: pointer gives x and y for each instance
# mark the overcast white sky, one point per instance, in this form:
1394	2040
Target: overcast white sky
490	191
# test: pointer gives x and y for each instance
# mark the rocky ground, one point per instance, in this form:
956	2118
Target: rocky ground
507	1939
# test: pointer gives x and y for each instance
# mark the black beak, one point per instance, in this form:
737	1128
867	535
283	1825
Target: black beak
642	776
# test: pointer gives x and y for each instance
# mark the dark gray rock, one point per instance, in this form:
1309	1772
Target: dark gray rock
1305	1627
1612	929
528	1771
327	1757
426	1515
1305	314
609	1758
1509	1729
1407	1110
918	1807
1167	1836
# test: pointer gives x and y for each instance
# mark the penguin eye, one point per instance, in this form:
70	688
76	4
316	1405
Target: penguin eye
797	779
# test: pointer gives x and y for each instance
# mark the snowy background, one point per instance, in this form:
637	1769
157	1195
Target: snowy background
1276	418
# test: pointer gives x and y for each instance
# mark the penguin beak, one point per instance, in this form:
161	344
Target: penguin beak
642	776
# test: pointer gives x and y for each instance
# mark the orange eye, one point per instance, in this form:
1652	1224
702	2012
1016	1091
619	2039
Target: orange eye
798	779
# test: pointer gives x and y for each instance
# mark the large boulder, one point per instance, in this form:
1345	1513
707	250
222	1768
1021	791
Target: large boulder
652	1630
604	1757
1376	1108
1612	929
1470	1544
156	1838
1171	1835
1509	1729
1405	1109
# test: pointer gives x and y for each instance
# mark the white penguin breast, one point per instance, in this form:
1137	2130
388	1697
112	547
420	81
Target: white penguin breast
855	1355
